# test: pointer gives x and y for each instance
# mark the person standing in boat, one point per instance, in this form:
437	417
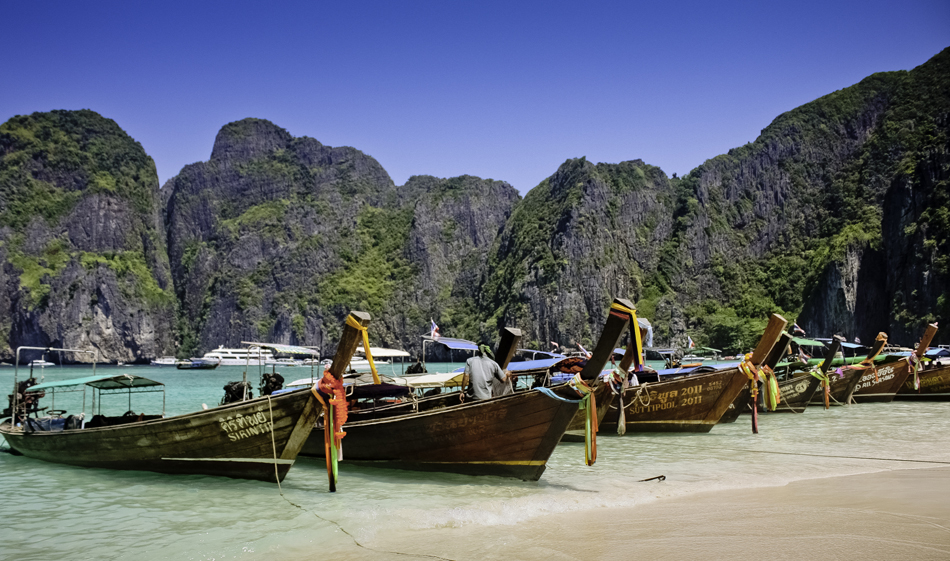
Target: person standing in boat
480	372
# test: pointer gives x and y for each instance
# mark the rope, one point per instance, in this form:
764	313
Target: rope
356	542
658	441
618	377
352	322
273	444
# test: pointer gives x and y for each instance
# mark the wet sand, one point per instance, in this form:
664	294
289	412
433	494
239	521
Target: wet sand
901	514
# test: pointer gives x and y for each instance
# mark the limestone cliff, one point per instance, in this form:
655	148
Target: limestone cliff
82	252
276	238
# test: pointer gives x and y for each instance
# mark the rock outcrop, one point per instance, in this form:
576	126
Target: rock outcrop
82	253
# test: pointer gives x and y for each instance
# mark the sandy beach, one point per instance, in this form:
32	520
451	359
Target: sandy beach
900	514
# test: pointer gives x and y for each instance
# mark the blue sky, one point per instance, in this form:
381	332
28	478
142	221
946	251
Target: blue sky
502	90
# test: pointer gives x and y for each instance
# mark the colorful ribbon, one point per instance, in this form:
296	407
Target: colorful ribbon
589	405
352	322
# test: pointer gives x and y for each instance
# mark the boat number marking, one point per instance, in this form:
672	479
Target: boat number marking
240	426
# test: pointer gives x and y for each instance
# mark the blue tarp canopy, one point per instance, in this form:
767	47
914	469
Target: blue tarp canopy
937	353
852	345
457	344
284	349
102	382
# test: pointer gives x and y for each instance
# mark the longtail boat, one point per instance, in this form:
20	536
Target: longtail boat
881	383
256	439
693	403
509	436
934	385
797	391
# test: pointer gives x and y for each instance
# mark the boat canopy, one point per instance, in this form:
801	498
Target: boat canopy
285	349
380	352
102	382
852	345
807	342
545	354
455	344
450	379
937	353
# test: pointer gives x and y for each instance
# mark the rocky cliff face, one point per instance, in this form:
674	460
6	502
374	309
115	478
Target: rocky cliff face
836	212
586	234
276	238
837	215
82	253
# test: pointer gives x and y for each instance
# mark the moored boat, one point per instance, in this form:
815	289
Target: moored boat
510	436
198	364
881	383
164	361
934	385
257	439
691	403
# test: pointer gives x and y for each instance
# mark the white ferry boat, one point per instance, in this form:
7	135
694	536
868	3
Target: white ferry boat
253	356
165	361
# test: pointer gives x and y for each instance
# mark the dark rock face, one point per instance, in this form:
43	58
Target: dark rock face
82	256
582	237
276	238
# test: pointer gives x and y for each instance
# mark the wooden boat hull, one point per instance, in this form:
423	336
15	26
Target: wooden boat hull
841	390
578	427
689	404
796	394
509	436
934	386
882	386
233	440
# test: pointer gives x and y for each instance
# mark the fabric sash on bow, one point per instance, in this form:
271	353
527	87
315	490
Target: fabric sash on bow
914	364
351	321
589	405
334	416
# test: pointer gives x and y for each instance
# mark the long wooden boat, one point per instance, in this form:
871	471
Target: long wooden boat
257	439
509	436
797	391
934	386
881	383
693	403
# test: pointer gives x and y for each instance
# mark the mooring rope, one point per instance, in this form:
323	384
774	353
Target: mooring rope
273	443
805	454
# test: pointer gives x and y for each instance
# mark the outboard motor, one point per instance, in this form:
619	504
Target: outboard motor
271	382
26	404
235	392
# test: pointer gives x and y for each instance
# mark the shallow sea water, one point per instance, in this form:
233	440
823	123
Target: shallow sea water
52	510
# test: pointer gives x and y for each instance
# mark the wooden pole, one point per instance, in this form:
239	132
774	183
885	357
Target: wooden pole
349	341
618	320
825	366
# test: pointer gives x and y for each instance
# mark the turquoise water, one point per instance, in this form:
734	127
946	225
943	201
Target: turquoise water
53	510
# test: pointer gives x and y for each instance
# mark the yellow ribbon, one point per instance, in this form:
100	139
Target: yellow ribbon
635	327
352	322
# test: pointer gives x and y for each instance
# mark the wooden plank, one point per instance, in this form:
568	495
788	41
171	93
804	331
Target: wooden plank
507	346
349	341
778	350
925	340
773	331
617	323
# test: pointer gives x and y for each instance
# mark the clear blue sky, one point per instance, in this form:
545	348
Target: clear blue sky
506	90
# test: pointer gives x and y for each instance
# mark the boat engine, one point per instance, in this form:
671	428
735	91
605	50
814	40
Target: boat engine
235	392
26	403
271	382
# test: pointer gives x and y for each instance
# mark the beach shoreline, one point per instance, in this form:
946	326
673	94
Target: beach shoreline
893	514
